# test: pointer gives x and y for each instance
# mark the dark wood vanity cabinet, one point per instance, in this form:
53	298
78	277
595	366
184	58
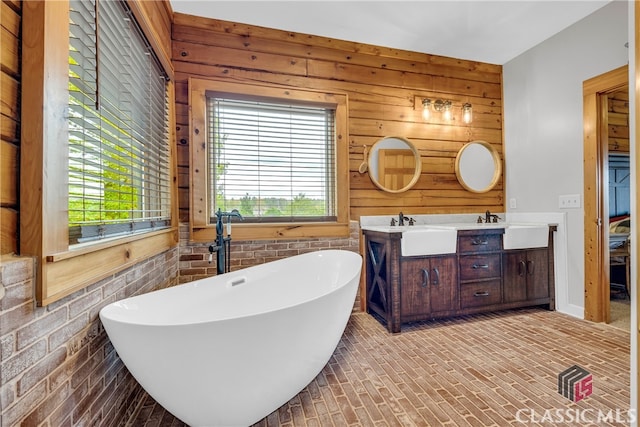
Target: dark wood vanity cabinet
428	286
481	276
480	268
526	275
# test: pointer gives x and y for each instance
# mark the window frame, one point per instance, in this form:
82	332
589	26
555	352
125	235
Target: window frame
201	230
61	270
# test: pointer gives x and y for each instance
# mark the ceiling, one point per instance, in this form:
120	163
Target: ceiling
487	31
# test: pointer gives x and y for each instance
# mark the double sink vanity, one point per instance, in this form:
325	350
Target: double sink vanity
436	268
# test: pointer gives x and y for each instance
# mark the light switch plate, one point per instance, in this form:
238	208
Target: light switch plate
512	203
569	201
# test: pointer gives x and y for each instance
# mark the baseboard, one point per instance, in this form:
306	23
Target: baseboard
573	310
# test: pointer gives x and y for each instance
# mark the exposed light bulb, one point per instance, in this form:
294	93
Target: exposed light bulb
426	109
447	110
467	113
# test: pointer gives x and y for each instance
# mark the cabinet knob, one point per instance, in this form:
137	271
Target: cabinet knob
481	294
436	280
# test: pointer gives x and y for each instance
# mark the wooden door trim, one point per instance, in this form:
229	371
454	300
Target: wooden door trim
596	274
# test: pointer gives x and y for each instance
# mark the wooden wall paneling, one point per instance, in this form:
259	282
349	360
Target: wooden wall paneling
10	50
250	35
9	129
8	228
9	95
382	128
618	117
385	88
412	62
10	18
382	95
201	54
9	179
11	13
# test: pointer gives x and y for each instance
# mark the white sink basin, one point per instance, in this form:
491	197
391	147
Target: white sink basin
429	241
469	225
523	236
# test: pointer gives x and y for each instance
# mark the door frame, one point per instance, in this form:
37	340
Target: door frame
596	254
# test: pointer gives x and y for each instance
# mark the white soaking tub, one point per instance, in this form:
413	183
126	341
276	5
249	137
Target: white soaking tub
230	349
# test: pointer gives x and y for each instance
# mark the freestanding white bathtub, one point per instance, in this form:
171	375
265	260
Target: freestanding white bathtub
230	349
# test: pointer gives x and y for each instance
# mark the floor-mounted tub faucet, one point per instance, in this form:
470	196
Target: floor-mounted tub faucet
222	246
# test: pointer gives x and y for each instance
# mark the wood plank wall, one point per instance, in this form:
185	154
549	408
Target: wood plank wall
10	16
618	106
385	88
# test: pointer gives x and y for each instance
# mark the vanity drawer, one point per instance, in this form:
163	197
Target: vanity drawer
474	267
481	243
479	294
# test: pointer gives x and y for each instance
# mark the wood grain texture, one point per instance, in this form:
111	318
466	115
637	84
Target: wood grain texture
596	131
618	120
10	19
9	177
385	88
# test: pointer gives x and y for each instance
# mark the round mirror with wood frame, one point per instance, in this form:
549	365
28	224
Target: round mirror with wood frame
394	164
478	166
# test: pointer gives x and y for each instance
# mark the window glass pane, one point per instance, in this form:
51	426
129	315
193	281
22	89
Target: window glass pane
118	126
271	161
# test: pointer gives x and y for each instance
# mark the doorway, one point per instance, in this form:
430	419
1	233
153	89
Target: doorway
596	95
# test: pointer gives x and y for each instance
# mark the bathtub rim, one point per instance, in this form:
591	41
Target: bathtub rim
112	311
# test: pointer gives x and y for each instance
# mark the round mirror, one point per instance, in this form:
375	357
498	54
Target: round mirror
478	166
394	164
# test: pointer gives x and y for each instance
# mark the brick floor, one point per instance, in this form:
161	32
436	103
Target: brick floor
479	370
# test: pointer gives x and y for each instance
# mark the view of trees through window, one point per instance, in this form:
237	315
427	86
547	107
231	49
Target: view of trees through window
271	161
118	126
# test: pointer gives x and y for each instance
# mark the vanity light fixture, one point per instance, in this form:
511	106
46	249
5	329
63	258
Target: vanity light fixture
445	108
467	113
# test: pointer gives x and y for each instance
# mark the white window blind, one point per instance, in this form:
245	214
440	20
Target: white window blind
274	162
118	126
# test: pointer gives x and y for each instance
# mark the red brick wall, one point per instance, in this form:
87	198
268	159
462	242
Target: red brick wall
57	364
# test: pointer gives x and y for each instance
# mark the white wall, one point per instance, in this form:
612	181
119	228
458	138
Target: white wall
543	132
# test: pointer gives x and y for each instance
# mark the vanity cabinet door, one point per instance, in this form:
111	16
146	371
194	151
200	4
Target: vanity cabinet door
429	285
514	287
444	284
537	274
526	275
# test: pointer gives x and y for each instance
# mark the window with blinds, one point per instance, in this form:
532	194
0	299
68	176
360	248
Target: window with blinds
118	126
273	162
